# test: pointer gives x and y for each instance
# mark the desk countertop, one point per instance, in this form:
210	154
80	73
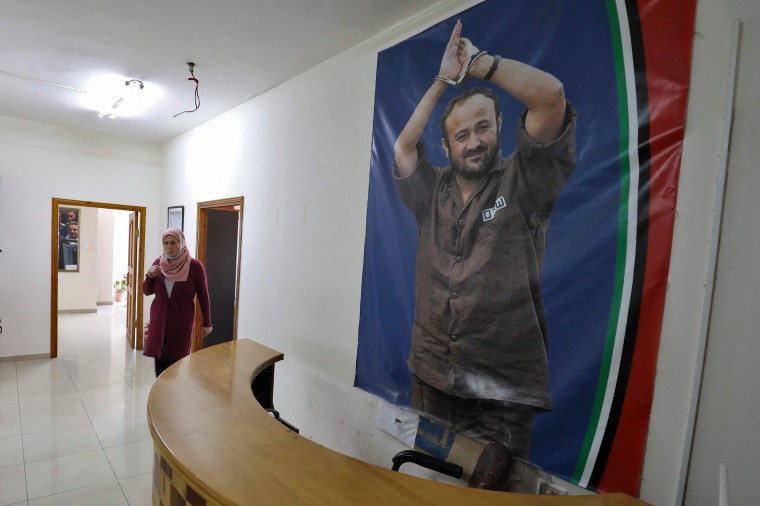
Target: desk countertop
209	427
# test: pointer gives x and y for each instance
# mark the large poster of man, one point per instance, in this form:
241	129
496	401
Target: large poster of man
519	222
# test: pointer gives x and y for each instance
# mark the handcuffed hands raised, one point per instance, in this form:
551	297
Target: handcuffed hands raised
457	57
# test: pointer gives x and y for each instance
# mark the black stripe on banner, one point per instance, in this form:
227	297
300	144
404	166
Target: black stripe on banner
642	241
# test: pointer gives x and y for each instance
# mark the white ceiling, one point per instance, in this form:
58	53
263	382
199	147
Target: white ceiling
241	48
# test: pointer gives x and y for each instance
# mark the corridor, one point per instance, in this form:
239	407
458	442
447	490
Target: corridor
73	430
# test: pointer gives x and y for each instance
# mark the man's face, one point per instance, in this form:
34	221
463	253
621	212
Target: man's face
74	230
473	130
71	216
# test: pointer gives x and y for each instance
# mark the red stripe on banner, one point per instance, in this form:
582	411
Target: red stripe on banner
667	27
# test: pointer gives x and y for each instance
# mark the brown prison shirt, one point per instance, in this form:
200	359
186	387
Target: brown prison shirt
479	325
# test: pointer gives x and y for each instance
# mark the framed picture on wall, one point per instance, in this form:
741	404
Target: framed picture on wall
176	217
68	239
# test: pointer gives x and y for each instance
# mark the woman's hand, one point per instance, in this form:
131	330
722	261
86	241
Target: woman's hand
206	330
153	271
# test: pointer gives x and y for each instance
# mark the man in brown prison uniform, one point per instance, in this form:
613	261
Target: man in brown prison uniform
479	341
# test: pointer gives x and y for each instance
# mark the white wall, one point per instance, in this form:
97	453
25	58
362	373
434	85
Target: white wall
120	256
39	162
683	307
303	235
104	274
729	407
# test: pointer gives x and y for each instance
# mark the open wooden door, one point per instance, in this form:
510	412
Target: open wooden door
131	299
136	260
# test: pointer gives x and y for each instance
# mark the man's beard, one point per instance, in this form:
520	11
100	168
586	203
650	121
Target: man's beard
480	170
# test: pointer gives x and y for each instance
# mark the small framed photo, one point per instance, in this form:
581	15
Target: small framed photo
176	217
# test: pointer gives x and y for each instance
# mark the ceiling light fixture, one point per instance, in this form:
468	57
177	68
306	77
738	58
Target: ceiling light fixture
130	92
112	95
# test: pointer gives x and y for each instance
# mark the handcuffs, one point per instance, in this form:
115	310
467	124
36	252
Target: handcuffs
464	76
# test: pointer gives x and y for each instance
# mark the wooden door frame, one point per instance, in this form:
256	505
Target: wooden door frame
141	217
132	293
200	254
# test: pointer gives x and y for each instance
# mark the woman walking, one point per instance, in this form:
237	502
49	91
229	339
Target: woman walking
175	279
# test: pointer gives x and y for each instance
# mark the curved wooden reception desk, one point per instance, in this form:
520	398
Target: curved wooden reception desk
215	444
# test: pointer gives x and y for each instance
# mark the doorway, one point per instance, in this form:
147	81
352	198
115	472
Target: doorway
220	225
134	328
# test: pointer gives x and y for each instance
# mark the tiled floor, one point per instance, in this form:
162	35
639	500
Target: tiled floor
73	430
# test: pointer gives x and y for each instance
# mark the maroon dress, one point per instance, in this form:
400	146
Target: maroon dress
172	318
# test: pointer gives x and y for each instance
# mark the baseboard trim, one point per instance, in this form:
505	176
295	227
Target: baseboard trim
73	311
19	358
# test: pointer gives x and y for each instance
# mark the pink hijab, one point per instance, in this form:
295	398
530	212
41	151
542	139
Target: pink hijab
175	269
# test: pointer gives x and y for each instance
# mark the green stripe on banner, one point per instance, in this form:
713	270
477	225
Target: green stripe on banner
583	465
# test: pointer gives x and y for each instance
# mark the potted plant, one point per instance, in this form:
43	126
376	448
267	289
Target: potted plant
119	286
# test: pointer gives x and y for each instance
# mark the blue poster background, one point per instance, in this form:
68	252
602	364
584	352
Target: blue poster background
572	41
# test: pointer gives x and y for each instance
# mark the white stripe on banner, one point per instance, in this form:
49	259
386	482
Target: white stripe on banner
632	220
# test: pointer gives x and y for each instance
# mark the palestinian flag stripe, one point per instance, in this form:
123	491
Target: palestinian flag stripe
666	35
628	51
615	442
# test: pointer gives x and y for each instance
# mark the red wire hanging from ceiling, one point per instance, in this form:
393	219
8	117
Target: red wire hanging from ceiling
191	67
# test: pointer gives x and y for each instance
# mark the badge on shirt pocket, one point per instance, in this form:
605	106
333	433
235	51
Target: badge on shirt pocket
490	213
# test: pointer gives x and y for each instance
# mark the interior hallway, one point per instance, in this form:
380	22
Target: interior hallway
73	430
